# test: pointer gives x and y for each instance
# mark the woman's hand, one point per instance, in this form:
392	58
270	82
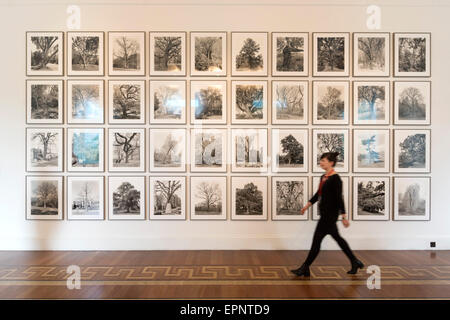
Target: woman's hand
345	222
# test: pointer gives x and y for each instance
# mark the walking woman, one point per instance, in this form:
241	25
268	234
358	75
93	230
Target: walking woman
331	204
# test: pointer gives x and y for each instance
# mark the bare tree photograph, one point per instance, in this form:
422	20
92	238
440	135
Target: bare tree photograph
289	150
249	53
85	53
412	198
126	53
331	54
45	53
371	150
44	198
331	140
289	102
208	198
85	101
209	102
412	54
126	149
289	196
412	102
208	151
168	197
44	149
45	101
249	150
126	198
126	101
85	198
371	54
412	150
371	198
168	101
167	53
249	102
208	53
249	198
371	102
289	54
167	150
330	102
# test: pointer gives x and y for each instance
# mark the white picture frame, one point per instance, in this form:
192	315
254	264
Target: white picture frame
45	53
259	186
371	54
127	193
213	147
88	154
45	149
163	187
290	145
246	98
168	102
254	159
85	53
126	150
42	95
371	150
331	140
126	101
85	102
174	141
290	102
256	64
208	53
209	103
284	46
209	192
85	198
331	100
412	150
294	192
377	194
412	102
412	198
402	67
175	44
130	62
329	41
44	198
371	102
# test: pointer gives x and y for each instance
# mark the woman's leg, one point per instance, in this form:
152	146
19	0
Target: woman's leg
342	243
319	234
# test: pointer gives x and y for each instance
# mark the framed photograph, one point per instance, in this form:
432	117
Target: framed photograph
412	52
44	198
126	101
85	149
85	198
331	140
249	53
208	53
168	198
126	150
126	198
168	102
208	198
412	150
45	53
126	53
45	149
412	102
167	53
289	196
208	150
412	198
45	102
331	54
371	198
85	102
331	102
248	150
290	150
290	52
85	53
371	54
168	149
249	102
208	102
371	103
249	198
345	195
290	102
371	150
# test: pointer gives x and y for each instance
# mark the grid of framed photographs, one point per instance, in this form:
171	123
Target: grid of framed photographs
227	125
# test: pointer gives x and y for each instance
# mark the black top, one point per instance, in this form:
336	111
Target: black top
331	202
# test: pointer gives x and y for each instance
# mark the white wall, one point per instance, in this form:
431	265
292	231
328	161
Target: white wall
17	17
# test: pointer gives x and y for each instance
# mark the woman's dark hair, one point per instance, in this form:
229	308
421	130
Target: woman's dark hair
330	156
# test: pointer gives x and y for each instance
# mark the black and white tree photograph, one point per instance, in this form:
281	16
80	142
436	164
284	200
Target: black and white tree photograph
126	101
208	53
249	198
290	54
345	196
44	198
85	198
371	54
371	198
249	53
412	198
45	101
85	53
126	149
85	149
331	54
412	150
249	102
44	149
85	101
208	198
412	54
168	102
412	102
290	102
126	53
331	102
371	150
126	198
248	150
208	150
208	102
168	198
371	102
168	149
168	53
289	150
45	53
331	140
289	196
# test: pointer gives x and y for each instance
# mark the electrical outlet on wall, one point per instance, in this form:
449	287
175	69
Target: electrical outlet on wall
433	245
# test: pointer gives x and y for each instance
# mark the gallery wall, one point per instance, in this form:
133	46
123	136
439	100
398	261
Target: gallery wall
19	233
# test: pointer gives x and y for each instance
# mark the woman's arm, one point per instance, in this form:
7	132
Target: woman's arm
339	197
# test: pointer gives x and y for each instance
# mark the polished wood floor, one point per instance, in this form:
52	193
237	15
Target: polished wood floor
240	274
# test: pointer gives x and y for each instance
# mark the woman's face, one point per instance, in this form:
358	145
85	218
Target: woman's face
325	164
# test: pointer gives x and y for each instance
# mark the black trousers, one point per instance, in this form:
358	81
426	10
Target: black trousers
323	228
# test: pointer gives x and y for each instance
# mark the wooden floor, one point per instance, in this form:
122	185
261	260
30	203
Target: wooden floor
221	275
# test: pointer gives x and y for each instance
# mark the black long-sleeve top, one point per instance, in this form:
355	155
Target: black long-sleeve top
331	202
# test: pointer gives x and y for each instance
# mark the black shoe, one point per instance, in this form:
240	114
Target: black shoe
355	265
302	271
